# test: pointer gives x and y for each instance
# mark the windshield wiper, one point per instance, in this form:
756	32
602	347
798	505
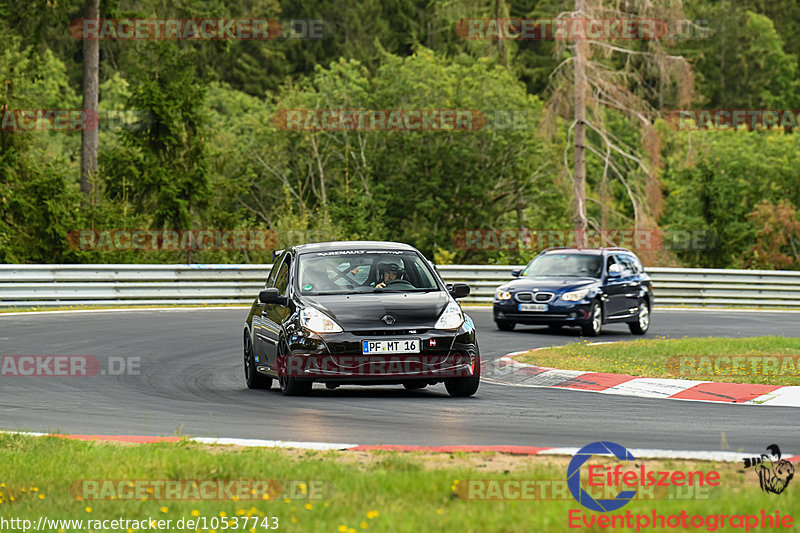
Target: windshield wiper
328	293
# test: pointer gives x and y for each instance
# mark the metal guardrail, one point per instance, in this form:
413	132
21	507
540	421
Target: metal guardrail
70	285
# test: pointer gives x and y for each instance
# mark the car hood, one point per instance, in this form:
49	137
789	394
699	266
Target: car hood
550	283
366	311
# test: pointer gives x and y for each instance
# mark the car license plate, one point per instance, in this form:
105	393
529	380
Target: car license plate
533	307
390	346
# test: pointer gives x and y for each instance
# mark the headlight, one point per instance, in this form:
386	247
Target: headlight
451	318
575	296
318	322
503	295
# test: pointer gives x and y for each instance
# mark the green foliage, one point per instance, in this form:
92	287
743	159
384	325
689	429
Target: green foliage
715	180
166	164
210	155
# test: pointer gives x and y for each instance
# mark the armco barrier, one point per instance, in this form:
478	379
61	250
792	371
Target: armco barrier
66	285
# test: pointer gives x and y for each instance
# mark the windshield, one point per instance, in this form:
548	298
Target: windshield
576	265
360	271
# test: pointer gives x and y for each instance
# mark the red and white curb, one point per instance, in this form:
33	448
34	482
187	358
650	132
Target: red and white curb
507	371
639	453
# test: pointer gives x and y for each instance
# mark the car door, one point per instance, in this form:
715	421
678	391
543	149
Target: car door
614	288
631	279
266	328
274	315
258	320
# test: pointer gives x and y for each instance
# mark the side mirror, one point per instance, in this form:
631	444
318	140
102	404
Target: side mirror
516	273
614	271
458	290
271	296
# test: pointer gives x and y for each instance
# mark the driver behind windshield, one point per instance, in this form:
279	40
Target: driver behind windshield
388	272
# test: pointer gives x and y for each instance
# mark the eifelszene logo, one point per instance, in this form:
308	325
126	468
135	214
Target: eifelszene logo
774	473
633	477
574	476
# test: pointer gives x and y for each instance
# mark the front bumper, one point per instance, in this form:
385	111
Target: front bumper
558	312
337	357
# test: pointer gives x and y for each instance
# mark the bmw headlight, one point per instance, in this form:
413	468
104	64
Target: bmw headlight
575	296
503	295
451	318
318	322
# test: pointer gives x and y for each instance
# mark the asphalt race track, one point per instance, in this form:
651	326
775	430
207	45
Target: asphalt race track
191	383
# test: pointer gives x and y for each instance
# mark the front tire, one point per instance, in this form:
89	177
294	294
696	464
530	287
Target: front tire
595	324
290	385
461	387
505	325
293	387
642	324
253	379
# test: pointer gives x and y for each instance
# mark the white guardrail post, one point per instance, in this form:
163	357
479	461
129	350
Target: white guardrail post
86	285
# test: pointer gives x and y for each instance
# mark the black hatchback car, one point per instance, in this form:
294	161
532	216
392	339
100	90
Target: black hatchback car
577	287
360	312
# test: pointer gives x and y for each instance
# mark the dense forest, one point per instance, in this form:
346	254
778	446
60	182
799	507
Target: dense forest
197	133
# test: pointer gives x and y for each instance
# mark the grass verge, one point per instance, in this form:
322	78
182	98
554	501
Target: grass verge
342	492
763	360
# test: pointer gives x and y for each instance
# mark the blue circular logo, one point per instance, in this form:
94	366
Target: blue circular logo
574	476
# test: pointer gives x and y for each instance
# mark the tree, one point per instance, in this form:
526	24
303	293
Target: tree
777	243
617	80
166	162
91	68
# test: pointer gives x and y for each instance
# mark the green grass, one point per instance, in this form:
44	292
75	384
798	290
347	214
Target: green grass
776	359
360	491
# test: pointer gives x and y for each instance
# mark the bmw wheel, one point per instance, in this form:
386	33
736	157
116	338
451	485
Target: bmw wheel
595	324
642	323
505	325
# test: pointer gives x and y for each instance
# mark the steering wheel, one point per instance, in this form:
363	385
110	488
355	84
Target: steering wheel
397	281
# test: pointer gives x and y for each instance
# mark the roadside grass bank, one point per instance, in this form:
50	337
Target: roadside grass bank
336	491
762	360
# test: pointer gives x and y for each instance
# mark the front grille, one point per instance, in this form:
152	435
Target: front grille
388	332
534	297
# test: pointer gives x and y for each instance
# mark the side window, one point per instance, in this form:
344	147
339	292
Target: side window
610	261
282	277
628	268
274	272
638	265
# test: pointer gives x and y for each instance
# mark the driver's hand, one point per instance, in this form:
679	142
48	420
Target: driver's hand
380	285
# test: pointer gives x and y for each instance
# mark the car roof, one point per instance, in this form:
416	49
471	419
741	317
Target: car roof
353	245
587	251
